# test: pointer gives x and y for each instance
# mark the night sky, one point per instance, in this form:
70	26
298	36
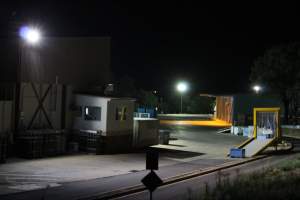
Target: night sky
155	43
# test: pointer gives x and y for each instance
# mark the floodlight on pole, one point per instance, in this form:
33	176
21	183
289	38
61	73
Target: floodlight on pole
30	34
182	87
256	88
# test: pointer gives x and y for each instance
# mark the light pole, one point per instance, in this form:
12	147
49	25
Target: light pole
181	88
29	36
257	88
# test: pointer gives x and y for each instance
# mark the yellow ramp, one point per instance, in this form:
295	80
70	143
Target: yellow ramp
256	146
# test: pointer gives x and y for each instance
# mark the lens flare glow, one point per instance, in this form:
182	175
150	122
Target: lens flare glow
256	88
30	35
182	87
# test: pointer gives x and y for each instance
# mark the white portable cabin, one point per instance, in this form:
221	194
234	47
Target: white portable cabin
108	115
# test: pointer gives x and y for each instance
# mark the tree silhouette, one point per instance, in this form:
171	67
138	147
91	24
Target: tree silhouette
148	99
126	87
279	70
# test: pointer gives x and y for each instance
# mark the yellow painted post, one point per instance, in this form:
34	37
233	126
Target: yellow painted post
254	123
123	114
278	125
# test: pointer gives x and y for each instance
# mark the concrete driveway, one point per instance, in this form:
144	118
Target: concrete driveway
201	139
192	143
22	175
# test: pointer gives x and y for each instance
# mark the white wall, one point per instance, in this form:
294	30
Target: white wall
145	132
68	109
118	127
86	100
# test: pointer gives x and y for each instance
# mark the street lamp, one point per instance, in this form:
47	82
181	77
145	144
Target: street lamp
181	88
30	35
256	88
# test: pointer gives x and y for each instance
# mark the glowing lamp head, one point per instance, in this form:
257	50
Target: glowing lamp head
182	87
257	88
30	35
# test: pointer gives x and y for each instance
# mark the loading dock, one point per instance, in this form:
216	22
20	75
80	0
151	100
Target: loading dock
266	133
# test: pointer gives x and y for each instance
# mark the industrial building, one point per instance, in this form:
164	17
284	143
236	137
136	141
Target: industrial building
238	109
38	83
53	99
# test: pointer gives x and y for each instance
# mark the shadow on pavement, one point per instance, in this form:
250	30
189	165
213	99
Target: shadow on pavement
172	153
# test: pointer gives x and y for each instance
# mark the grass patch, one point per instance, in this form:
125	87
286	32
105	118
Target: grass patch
291	132
279	183
290	165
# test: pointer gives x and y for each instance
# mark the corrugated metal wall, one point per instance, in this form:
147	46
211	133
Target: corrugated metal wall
7	91
224	108
31	112
5	116
6	107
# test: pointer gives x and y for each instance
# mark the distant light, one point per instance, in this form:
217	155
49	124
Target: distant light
155	92
156	108
30	34
86	111
182	87
257	88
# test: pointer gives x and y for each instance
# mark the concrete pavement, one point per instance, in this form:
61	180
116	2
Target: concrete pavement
85	189
22	175
185	116
194	188
204	140
211	123
82	175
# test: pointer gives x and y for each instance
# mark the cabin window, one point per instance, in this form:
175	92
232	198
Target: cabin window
121	113
92	113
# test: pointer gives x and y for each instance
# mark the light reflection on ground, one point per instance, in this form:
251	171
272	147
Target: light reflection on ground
213	123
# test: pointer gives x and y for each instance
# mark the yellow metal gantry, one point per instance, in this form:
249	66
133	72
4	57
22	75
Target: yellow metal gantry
271	110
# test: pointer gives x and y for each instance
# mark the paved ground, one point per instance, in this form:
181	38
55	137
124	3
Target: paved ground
203	140
211	123
194	147
185	116
85	189
22	175
195	187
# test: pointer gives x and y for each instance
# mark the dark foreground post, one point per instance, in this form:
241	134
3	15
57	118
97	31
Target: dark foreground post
151	180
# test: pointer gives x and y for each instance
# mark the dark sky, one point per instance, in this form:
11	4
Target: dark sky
211	46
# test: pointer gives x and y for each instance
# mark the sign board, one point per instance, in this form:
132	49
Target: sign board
152	159
152	181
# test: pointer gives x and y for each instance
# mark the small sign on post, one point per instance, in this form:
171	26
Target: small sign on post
152	159
152	180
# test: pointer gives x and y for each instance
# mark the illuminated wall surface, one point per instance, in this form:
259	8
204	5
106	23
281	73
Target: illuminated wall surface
77	61
224	108
232	108
244	104
107	119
